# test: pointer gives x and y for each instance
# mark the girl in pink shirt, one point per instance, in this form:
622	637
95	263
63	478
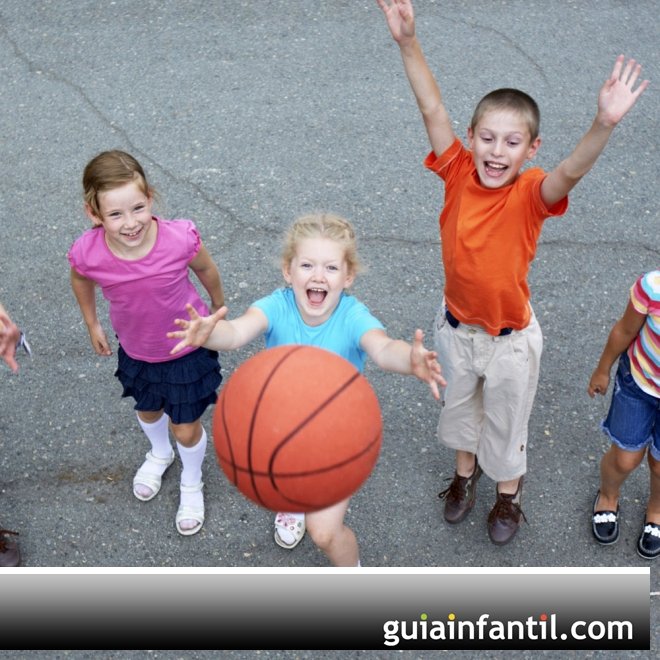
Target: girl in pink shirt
141	263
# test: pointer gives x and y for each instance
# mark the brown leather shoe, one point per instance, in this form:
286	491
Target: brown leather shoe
504	518
9	554
460	496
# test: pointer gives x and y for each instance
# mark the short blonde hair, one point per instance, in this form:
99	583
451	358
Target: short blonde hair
510	99
322	225
109	170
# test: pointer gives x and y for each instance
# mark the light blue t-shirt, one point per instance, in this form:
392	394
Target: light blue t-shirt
341	333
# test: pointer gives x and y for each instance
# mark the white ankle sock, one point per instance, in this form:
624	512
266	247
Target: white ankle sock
158	435
191	461
191	474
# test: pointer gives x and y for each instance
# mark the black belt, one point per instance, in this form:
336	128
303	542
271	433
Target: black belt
454	323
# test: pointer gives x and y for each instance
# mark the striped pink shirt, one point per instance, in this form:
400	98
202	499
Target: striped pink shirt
644	352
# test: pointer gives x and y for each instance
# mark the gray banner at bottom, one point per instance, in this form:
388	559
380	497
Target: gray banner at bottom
368	609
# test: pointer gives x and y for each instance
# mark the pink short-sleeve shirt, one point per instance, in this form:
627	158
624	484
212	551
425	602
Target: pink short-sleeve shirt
145	295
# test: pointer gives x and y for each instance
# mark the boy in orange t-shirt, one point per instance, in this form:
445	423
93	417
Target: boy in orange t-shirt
487	337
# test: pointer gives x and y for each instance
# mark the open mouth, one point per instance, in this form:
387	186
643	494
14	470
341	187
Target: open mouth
495	169
316	296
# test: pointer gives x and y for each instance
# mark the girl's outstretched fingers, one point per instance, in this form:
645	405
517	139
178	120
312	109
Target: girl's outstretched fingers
425	365
196	330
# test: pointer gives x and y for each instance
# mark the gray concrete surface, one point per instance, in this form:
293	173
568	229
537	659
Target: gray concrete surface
246	114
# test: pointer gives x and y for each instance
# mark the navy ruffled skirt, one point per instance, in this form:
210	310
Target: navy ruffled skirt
183	387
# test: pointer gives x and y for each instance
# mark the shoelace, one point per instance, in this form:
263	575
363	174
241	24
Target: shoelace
3	543
504	508
454	491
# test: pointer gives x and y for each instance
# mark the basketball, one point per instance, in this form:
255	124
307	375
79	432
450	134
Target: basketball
297	428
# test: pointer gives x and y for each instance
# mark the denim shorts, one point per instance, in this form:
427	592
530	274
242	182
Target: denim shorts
633	420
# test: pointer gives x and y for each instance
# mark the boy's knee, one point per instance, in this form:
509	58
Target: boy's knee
654	465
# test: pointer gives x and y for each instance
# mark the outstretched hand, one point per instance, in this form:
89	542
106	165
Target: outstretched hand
400	18
197	330
425	366
618	94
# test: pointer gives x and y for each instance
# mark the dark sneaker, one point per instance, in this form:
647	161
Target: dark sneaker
460	496
648	545
605	524
504	518
9	555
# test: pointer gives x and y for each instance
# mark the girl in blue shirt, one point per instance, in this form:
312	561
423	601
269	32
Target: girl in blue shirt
319	262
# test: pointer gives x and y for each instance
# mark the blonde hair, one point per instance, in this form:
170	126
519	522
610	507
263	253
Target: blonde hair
109	170
510	99
322	225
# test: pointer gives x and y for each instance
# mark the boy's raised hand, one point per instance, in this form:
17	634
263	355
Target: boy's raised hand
197	330
400	18
424	364
617	96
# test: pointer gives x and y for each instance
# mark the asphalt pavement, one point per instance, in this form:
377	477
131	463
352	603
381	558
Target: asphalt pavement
246	115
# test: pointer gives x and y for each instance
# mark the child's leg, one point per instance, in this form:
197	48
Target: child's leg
615	466
510	383
648	544
147	480
653	508
465	463
459	425
461	414
329	533
630	423
508	487
191	444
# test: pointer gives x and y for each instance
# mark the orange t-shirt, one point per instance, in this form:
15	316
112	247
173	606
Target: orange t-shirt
488	240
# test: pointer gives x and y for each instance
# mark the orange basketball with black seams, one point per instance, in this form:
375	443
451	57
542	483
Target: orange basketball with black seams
297	428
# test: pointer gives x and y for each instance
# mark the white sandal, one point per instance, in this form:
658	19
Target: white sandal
291	524
186	512
148	479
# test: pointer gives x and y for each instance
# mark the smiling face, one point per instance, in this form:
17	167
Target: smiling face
501	144
318	274
125	214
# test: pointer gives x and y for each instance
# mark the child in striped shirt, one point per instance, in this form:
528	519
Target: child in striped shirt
633	420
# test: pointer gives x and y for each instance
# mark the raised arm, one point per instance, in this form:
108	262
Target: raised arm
401	21
621	336
217	334
400	357
617	96
208	274
84	291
